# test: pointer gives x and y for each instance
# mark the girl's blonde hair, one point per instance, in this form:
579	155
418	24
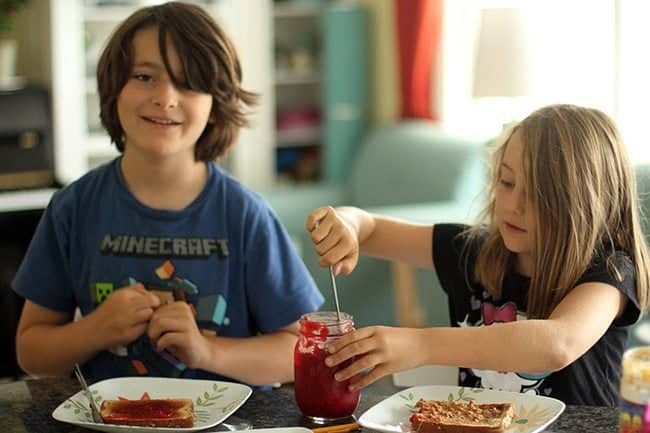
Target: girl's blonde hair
581	189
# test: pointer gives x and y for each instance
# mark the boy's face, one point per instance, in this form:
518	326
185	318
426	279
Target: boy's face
159	119
512	210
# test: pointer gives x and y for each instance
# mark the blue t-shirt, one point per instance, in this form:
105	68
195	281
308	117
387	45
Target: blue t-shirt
226	254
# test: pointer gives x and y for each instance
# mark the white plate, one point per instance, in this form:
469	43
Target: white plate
214	401
532	413
280	430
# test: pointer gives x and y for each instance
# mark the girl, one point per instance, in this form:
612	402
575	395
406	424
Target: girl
177	268
541	292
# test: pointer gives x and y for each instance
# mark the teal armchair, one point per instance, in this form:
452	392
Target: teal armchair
411	170
640	334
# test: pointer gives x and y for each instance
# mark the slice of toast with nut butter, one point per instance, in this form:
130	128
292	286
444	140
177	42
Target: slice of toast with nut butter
460	417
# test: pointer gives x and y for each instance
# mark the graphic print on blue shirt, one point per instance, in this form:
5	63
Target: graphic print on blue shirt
209	311
502	380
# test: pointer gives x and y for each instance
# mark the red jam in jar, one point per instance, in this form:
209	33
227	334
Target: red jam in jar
320	397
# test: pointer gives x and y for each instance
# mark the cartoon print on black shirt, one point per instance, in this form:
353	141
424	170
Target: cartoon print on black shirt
502	380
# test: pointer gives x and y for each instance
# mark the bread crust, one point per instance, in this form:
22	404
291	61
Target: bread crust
173	413
458	417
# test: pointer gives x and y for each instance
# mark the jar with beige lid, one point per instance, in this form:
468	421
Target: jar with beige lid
634	409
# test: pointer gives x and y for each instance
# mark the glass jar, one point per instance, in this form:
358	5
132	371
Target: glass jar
320	397
634	409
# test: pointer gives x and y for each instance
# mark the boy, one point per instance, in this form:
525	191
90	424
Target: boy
178	269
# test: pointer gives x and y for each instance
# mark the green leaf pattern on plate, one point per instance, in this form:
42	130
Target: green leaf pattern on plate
526	419
410	404
81	407
209	399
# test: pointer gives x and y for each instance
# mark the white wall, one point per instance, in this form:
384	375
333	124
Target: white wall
572	60
248	23
634	77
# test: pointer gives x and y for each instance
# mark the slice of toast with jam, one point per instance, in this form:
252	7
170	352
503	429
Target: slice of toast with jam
172	413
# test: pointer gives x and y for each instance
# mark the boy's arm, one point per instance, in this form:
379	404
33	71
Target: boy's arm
260	360
48	342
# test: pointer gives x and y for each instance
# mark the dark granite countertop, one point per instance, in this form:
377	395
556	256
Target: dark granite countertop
26	406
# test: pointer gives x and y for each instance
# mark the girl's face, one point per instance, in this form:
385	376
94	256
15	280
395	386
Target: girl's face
512	211
159	119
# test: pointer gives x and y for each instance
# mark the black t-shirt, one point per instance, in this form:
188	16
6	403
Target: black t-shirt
592	379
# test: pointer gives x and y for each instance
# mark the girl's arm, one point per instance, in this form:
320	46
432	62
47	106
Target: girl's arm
534	346
529	346
344	232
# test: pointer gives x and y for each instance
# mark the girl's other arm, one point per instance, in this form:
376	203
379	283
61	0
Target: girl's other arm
344	232
528	346
534	346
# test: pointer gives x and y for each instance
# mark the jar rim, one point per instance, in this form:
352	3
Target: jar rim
327	317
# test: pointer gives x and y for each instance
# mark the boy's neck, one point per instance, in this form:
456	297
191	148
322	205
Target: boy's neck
166	183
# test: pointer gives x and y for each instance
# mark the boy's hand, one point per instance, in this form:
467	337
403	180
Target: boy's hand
124	315
173	327
382	349
336	241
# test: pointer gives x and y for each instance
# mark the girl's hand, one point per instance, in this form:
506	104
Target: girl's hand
336	241
382	349
173	328
124	314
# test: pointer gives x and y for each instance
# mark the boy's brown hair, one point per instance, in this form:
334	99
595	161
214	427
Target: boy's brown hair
210	65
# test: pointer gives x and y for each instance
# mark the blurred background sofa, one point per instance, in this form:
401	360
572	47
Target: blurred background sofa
640	334
410	170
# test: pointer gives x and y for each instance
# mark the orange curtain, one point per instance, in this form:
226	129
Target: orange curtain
419	32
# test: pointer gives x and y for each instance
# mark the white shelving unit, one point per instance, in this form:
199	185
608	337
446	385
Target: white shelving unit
290	9
33	199
78	32
284	79
297	85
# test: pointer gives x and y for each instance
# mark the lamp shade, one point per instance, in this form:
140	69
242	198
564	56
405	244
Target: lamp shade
502	61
